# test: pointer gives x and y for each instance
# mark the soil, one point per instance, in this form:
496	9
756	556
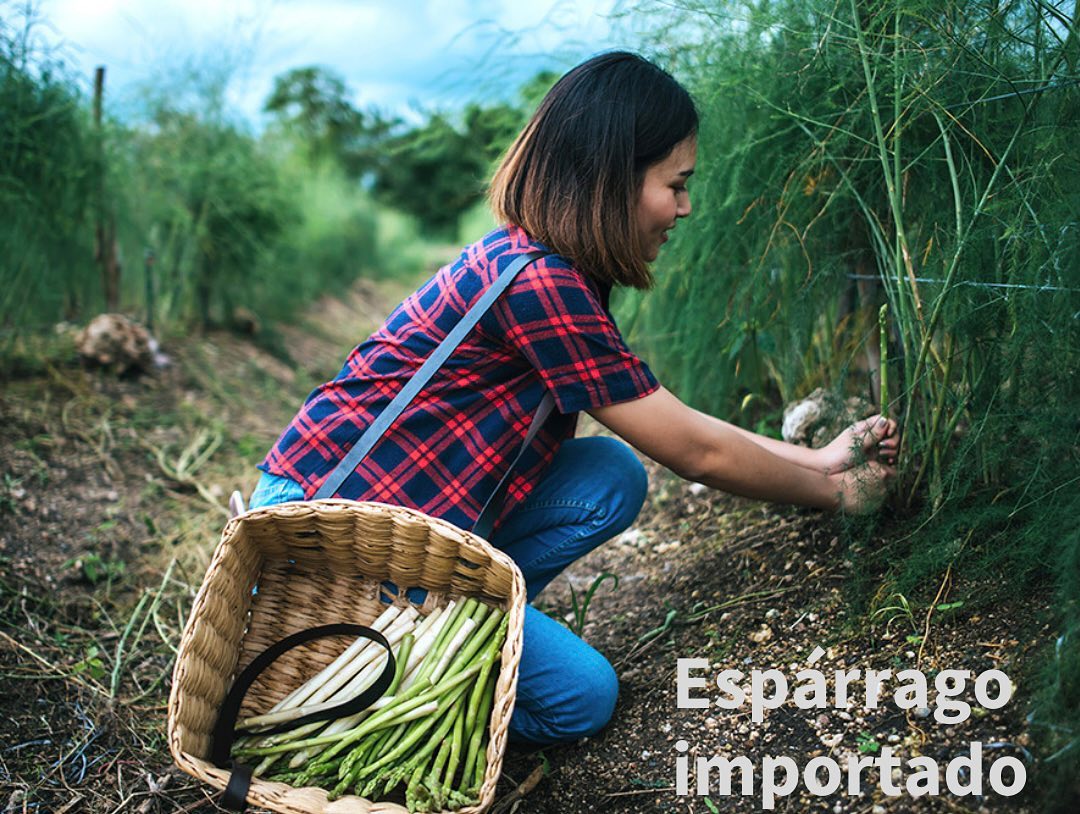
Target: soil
113	493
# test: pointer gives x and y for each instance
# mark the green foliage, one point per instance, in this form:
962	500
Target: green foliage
867	743
435	171
216	203
928	149
438	170
50	173
579	608
312	106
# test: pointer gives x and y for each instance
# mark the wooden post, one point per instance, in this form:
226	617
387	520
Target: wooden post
105	229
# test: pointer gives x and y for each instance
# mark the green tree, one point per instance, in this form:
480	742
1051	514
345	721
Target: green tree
438	170
313	106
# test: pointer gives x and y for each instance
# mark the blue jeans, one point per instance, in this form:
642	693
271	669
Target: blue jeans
592	491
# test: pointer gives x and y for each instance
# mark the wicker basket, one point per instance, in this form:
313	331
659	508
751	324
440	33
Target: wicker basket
286	568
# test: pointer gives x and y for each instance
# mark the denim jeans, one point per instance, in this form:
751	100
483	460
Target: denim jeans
592	491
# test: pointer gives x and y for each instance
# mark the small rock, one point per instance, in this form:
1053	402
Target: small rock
698	488
894	738
114	340
822	721
761	636
771	614
878	809
843	716
921	712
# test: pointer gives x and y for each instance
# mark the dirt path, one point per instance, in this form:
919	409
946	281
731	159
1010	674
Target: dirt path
108	517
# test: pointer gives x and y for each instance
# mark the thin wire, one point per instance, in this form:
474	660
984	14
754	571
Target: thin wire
1055	86
975	283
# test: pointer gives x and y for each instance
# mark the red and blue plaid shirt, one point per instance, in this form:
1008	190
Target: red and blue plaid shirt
550	330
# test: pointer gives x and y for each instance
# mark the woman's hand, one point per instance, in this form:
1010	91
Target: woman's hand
861	489
872	439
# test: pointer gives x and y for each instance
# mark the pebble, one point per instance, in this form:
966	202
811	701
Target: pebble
843	716
832	740
921	712
711	723
771	614
878	809
894	738
761	636
812	617
822	721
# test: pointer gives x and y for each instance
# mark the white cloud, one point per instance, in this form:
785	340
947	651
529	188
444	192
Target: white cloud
427	52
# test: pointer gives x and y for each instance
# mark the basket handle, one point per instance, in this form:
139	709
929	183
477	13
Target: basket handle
235	795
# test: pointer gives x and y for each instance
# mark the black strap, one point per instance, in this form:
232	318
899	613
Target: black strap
415	384
235	795
490	513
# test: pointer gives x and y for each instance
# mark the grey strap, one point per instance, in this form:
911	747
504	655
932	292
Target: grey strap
493	508
397	405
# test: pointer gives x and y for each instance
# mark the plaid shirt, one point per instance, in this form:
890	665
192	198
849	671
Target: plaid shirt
550	330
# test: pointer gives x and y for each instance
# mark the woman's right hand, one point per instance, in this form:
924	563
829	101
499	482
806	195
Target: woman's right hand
861	489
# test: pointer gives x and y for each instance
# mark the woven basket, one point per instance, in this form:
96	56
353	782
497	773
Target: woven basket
286	568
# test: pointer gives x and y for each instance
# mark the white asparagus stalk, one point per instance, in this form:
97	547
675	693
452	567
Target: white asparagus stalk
423	646
332	682
426	631
451	650
303	692
363	656
340	695
346	683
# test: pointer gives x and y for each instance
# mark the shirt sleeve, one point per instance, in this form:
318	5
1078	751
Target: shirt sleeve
556	321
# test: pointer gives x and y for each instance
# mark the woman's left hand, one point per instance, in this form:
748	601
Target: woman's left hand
873	438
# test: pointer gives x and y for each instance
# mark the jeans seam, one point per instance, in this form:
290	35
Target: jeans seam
600	513
564	504
538	708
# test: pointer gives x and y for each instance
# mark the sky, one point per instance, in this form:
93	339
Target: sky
403	56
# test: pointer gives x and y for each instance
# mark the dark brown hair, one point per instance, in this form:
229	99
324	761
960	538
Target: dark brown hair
572	177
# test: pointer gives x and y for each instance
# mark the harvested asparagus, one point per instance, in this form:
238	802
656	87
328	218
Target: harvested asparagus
427	735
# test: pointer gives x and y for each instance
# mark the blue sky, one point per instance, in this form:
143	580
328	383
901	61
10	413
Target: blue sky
399	55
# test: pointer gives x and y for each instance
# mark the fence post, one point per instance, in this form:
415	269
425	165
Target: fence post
148	268
105	228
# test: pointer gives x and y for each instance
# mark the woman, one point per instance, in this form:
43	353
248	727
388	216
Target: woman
595	181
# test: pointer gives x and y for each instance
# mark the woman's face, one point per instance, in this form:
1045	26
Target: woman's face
664	197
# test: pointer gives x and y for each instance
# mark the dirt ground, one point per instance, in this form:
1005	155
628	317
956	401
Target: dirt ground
112	494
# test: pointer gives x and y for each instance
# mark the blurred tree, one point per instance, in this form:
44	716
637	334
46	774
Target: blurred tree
434	171
313	106
438	170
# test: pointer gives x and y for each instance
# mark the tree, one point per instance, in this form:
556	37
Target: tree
313	106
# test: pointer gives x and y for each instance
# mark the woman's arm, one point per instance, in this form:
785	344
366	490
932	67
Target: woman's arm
701	448
871	437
